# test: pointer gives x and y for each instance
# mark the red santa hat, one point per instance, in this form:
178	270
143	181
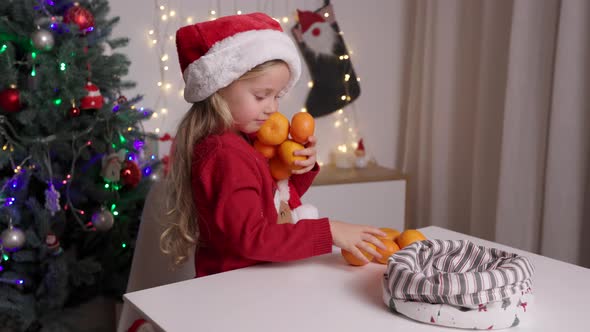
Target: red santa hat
213	54
307	19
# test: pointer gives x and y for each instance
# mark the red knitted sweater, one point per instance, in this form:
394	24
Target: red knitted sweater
233	192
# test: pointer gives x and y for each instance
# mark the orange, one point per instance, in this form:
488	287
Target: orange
391	233
391	249
408	237
352	260
286	150
278	169
274	130
268	151
302	126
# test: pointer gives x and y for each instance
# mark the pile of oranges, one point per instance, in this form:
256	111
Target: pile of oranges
393	241
277	140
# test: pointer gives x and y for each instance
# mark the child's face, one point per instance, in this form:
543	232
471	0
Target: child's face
252	100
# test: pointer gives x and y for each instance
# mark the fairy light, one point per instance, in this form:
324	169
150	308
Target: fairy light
3	48
162	7
164	111
326	14
213	12
285	19
346	77
157	130
164	57
165	67
168	86
172	13
239	12
343	97
189	20
303	109
340	111
164	17
310	84
159	83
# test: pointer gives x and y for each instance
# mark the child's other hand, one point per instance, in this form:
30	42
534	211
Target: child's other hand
311	154
351	237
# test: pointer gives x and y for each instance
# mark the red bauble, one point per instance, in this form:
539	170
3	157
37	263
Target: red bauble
93	99
80	16
74	112
130	174
10	100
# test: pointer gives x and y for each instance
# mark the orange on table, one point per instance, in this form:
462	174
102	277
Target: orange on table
275	130
285	152
352	260
391	248
390	233
302	126
408	237
268	151
278	169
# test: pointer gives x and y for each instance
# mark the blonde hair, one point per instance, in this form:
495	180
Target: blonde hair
208	117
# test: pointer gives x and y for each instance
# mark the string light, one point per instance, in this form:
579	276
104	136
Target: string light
310	84
3	48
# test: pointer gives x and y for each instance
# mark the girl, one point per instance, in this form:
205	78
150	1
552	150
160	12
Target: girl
235	69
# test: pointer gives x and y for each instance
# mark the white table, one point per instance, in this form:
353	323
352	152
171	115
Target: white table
325	294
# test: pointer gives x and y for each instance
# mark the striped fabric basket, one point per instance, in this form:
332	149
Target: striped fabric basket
459	284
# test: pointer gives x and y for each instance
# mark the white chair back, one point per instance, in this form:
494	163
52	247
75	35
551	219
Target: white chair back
150	267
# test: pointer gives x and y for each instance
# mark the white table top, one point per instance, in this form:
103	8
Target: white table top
325	294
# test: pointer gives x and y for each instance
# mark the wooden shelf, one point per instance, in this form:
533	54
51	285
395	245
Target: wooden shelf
330	174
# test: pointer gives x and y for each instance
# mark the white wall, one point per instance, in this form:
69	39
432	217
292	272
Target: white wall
373	31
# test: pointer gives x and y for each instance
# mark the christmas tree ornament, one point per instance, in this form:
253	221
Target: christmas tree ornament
74	112
52	200
103	220
111	166
13	239
53	245
93	99
10	100
42	40
81	17
130	174
334	83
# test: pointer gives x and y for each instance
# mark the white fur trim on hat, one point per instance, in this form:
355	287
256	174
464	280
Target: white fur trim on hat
233	56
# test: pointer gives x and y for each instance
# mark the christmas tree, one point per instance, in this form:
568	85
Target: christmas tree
74	169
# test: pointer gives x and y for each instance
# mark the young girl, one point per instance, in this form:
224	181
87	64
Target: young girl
236	68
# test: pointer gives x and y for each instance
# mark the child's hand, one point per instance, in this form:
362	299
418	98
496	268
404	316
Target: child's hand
351	237
311	154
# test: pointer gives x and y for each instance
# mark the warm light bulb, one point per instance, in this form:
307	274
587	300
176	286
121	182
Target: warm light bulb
285	19
346	77
162	7
154	41
154	115
326	14
303	109
172	13
157	130
164	57
151	32
164	17
310	84
159	83
168	86
164	111
337	124
165	67
129	129
189	19
212	12
239	12
343	97
340	111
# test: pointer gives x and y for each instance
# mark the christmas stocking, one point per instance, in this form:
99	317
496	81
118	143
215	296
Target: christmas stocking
335	83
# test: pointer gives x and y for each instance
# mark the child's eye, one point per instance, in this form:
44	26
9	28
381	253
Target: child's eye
259	98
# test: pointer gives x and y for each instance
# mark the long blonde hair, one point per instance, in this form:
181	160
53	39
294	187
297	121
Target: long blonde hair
207	117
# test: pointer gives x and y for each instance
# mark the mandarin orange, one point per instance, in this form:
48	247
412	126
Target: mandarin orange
268	151
286	150
278	169
408	237
302	126
391	248
274	130
391	233
353	260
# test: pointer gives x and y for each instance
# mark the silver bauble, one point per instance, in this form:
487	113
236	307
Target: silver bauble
42	40
12	239
103	220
